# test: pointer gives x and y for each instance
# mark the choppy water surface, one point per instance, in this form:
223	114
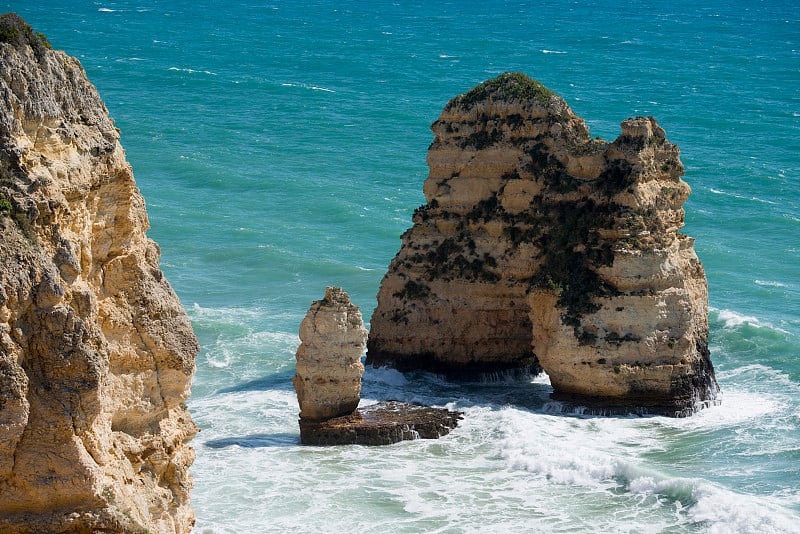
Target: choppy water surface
281	148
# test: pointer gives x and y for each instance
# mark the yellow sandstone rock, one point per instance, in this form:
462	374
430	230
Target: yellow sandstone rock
542	248
329	368
96	351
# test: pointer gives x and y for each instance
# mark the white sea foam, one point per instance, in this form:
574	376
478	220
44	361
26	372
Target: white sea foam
732	319
545	51
219	359
721	510
770	283
307	86
238	315
386	375
757	372
741	197
725	511
223	313
192	71
507	464
594	454
738	407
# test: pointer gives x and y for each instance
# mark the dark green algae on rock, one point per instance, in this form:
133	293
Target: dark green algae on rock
542	248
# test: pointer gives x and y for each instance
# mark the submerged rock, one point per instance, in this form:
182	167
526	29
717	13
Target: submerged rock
542	248
383	423
96	351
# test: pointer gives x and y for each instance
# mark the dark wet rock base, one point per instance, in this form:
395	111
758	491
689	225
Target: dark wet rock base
383	423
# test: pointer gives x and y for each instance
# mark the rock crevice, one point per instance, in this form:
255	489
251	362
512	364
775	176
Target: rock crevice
541	247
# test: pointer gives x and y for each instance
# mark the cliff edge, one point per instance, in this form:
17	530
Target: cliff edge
542	248
96	351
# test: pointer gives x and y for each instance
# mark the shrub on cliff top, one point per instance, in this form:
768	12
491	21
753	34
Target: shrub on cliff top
509	85
16	32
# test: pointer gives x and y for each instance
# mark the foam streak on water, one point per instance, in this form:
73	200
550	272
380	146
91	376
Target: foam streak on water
281	148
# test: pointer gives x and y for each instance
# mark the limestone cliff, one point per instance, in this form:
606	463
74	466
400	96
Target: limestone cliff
96	351
540	246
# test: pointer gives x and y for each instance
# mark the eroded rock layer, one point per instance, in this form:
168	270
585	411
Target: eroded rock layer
540	246
96	351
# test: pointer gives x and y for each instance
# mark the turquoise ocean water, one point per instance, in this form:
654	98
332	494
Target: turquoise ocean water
281	148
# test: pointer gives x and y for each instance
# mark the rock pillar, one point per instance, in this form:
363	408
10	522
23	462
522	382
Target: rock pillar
329	368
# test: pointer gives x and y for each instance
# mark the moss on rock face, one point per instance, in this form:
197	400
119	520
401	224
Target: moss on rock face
540	246
507	86
5	205
16	32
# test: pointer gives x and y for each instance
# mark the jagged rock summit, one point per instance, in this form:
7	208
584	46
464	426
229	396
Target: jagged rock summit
328	384
96	351
542	248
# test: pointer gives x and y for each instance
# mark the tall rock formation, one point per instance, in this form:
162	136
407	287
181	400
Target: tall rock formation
328	385
540	246
96	351
329	368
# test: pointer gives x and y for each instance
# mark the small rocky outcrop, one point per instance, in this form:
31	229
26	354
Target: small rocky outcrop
328	384
540	247
329	368
96	351
383	423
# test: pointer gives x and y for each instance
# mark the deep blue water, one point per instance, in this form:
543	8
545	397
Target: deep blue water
281	148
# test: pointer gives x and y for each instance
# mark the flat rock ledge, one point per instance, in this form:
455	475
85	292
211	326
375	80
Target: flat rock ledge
383	423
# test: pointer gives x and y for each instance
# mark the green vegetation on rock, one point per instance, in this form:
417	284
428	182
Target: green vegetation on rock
507	86
16	32
5	205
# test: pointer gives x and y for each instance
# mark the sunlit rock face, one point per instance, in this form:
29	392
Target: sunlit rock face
96	351
328	385
542	248
329	368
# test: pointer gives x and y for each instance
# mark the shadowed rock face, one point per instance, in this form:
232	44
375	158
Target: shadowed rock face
540	247
96	351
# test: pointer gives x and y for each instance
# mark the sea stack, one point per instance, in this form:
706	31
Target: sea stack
96	351
329	368
540	247
328	385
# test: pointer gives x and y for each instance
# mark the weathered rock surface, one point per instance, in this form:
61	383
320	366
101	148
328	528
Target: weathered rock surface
96	351
328	384
383	423
329	368
540	246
